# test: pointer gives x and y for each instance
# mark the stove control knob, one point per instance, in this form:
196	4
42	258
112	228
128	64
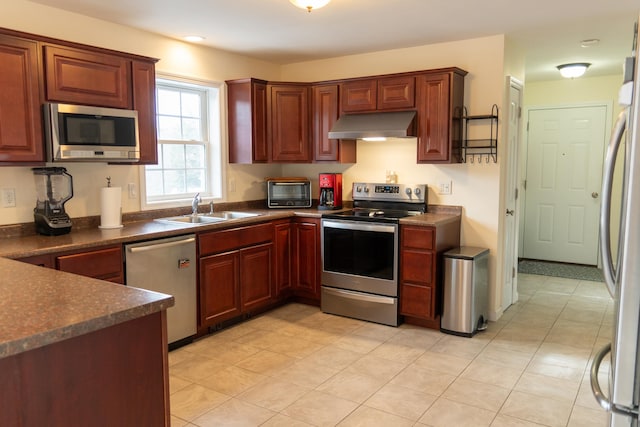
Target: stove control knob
358	189
417	191
366	189
408	191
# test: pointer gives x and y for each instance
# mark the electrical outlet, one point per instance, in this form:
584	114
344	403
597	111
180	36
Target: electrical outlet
444	187
131	187
8	197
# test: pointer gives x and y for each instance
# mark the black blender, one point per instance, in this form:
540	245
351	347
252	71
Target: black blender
54	186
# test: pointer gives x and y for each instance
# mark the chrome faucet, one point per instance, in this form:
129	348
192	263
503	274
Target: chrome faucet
194	204
211	207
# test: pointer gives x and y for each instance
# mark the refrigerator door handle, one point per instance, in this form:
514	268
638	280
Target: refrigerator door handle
605	208
597	390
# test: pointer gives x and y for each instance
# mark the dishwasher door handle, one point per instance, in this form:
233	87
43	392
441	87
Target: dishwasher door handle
152	247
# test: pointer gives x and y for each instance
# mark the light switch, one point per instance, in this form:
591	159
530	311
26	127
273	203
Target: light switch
444	187
8	197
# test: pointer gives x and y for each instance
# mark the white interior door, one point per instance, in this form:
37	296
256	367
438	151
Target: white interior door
564	174
509	291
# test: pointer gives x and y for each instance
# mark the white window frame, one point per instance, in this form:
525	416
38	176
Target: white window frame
215	167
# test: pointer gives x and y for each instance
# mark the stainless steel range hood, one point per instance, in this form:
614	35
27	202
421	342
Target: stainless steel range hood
395	124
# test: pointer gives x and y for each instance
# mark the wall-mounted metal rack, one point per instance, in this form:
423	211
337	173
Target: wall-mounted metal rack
483	148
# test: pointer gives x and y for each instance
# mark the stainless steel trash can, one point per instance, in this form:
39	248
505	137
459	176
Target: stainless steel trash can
466	276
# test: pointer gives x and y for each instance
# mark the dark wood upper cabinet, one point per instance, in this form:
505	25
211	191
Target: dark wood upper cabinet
81	77
288	122
358	96
292	124
378	94
324	113
144	101
247	118
21	137
439	105
396	93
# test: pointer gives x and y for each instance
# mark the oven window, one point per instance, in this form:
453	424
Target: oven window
290	191
362	253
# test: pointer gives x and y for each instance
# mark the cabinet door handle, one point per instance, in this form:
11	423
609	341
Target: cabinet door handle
510	212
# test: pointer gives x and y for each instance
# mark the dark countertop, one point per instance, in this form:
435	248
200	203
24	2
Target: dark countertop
86	238
41	306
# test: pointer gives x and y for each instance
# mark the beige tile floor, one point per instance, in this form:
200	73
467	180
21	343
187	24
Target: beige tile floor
296	366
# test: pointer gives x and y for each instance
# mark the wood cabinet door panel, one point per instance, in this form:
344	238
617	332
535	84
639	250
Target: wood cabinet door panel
234	238
396	93
433	118
83	77
282	255
144	101
417	301
102	264
325	114
247	121
417	266
256	276
20	113
417	237
289	123
358	96
219	288
307	261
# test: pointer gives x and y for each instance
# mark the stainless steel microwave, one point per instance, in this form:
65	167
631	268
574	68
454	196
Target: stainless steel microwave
84	133
288	193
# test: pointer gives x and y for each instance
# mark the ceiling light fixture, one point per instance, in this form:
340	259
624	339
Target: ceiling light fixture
310	4
194	39
573	70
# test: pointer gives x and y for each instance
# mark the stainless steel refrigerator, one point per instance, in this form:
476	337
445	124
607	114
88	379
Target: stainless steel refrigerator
622	275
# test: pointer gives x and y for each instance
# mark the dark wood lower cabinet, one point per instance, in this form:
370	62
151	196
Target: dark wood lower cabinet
307	262
219	288
282	258
117	376
256	276
421	250
237	273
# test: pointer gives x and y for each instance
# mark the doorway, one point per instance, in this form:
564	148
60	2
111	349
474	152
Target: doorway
510	194
563	180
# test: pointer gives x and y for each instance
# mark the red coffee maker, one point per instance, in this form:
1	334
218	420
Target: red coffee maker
330	191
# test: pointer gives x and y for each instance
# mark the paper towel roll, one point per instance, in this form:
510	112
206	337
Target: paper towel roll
110	207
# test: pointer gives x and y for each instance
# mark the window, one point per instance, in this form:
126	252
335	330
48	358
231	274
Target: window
189	147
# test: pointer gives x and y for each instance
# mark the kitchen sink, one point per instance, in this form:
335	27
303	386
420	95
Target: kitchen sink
231	215
191	219
208	218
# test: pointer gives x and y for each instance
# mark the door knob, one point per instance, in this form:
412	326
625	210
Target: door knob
594	195
510	211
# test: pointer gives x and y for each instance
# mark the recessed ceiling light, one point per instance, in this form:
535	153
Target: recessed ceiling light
589	42
194	39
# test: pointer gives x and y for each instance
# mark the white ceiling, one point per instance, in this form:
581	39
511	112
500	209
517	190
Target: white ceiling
548	31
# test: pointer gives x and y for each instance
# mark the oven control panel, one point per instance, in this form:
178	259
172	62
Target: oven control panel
389	192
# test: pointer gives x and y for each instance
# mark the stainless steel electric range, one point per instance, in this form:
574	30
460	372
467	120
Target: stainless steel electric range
360	251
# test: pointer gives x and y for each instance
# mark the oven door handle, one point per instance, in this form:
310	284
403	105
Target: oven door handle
359	226
358	296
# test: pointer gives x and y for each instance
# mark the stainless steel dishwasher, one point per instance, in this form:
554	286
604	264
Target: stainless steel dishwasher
168	266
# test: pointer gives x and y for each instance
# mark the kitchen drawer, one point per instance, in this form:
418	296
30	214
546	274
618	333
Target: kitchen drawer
417	237
417	301
102	263
417	266
235	238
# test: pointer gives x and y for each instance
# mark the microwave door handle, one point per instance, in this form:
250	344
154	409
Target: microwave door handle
605	208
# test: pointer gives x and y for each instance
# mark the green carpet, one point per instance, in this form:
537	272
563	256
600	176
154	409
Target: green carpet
557	269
